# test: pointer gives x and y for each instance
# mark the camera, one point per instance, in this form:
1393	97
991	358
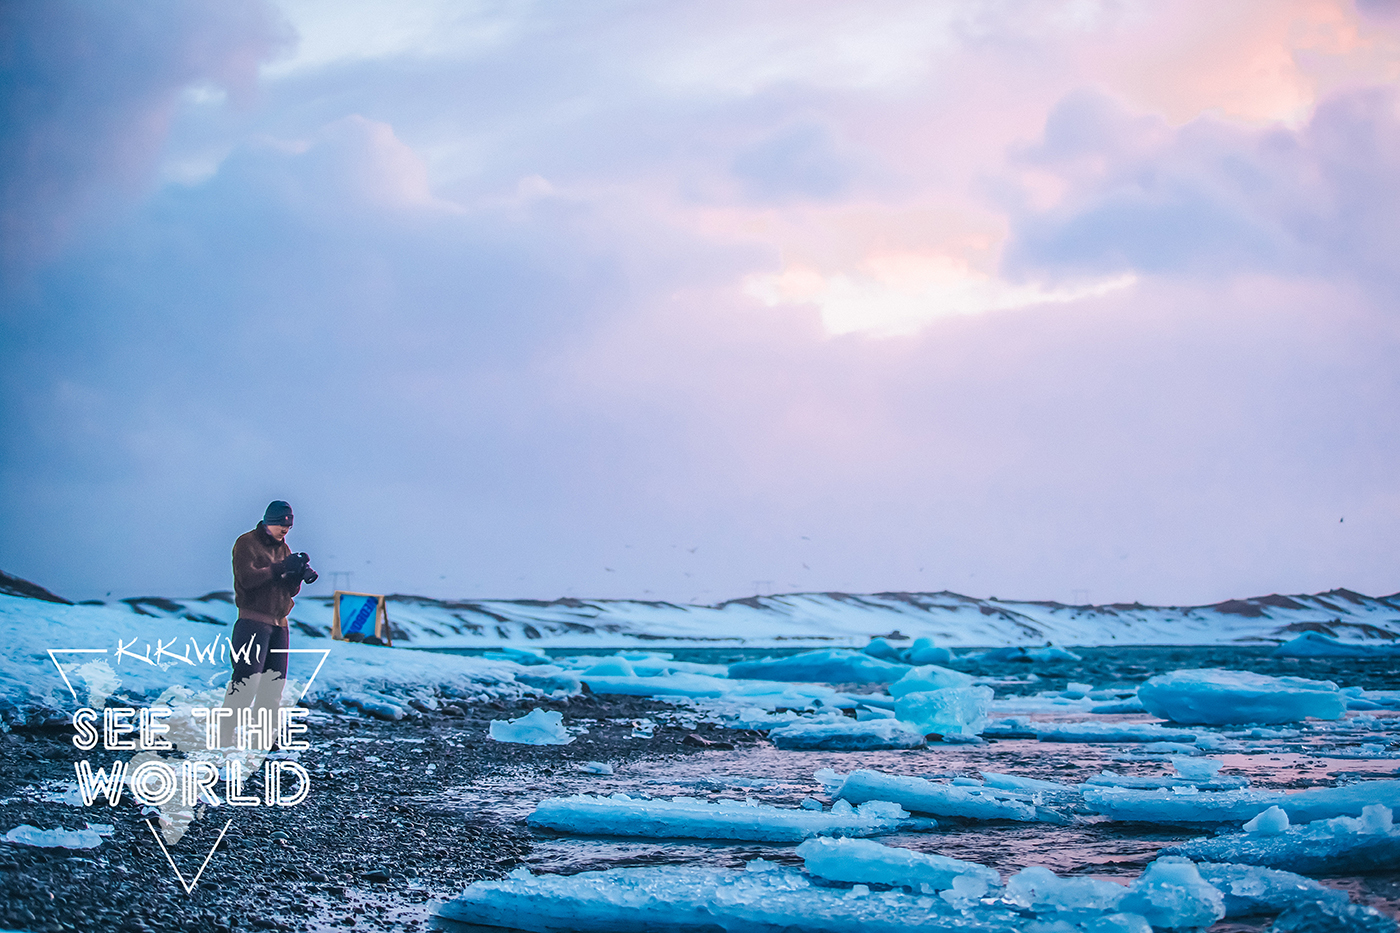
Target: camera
298	567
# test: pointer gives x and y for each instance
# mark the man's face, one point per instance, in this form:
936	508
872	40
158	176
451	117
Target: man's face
278	532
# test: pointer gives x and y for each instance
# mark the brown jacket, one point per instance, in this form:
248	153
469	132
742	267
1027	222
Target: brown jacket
258	596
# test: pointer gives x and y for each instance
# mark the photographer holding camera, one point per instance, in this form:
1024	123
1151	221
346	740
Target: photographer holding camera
266	575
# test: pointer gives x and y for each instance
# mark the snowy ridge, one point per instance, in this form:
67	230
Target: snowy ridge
834	619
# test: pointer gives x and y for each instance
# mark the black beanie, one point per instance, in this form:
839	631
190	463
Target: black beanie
278	513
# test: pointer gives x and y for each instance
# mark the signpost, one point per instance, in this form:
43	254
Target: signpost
359	616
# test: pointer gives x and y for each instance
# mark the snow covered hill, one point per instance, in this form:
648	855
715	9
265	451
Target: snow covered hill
832	619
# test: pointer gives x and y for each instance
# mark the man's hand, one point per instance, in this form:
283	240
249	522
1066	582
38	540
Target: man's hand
291	567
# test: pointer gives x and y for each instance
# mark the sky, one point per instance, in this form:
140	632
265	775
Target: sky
1076	300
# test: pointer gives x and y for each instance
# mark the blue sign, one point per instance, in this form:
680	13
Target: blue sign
357	614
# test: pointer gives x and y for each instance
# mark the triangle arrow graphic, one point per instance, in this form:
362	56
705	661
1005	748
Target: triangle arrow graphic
188	885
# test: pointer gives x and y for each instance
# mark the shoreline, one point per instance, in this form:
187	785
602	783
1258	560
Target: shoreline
372	846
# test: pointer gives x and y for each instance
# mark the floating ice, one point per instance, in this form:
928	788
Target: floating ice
924	651
1188	774
684	899
689	818
846	734
928	677
1332	917
1163	806
676	685
526	656
537	727
920	796
1340	844
26	835
1106	732
1001	655
610	667
1171	894
1130	705
1269	823
373	704
881	648
1221	697
828	665
949	711
866	861
1237	806
596	767
1202	770
1318	645
1249	889
550	679
1039	889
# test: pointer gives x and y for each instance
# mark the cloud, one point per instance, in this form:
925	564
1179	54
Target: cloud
898	294
501	295
1215	198
87	92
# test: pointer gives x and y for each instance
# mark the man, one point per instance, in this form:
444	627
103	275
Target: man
266	575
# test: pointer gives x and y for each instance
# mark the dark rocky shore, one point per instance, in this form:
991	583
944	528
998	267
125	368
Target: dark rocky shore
377	839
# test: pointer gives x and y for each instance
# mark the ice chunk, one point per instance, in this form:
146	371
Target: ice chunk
1269	823
1130	705
688	818
920	796
966	890
551	678
928	677
1076	691
26	835
1240	805
829	665
373	704
1331	846
846	735
1320	803
686	899
537	727
1171	894
1039	889
1154	782
610	667
679	685
881	648
526	656
1200	770
1002	655
1107	732
1118	923
1220	697
866	861
1318	645
1249	889
596	767
1162	806
1333	917
950	711
924	651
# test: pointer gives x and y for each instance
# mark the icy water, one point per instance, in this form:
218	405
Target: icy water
1319	754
